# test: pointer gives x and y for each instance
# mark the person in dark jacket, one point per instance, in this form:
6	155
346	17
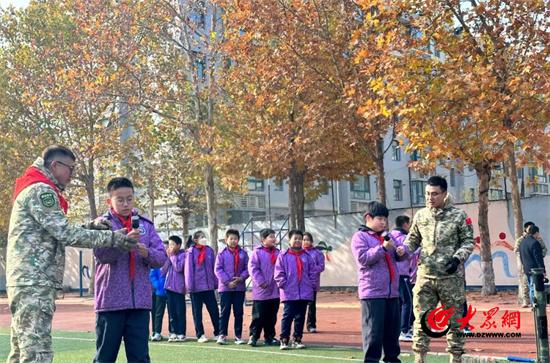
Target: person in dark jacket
158	279
530	252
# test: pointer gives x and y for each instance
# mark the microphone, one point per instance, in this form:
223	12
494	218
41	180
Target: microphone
386	236
135	222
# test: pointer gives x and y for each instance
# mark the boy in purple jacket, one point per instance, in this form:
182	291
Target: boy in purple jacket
295	274
231	271
378	288
399	233
265	292
122	286
319	260
201	282
175	289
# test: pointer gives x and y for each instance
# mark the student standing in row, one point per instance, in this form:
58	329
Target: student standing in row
201	283
231	271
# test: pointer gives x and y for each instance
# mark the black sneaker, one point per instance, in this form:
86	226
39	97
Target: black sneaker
272	341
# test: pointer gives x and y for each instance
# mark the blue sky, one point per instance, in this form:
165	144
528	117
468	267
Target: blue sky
5	3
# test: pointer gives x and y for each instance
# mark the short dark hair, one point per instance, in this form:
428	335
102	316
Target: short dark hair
400	221
376	209
234	232
264	233
165	242
177	240
532	229
292	232
119	182
309	235
437	181
527	224
53	151
197	234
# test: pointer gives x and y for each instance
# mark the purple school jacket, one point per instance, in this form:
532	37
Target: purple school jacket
174	267
113	288
225	269
403	265
372	271
286	275
262	269
200	278
319	260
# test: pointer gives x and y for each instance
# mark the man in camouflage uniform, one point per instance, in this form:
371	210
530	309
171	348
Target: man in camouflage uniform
38	234
445	236
523	286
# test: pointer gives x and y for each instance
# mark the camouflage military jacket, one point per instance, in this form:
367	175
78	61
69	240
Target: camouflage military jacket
442	233
38	234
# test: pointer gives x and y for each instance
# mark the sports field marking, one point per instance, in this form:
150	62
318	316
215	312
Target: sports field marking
184	345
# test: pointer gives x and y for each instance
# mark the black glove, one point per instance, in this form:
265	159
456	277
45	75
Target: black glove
452	265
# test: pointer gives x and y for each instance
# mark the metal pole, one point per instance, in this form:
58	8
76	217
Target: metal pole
333	205
81	272
541	320
269	202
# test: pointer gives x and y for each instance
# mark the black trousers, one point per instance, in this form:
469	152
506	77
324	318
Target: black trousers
157	314
176	312
294	311
264	316
380	323
112	326
207	298
406	301
229	299
312	312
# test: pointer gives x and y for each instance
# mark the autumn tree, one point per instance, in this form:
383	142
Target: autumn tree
474	85
286	91
65	63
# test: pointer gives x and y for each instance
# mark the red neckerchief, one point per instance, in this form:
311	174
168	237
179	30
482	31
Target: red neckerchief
387	257
202	253
235	251
308	248
299	263
127	223
272	251
34	175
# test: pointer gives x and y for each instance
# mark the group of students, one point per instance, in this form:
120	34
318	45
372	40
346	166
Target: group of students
291	276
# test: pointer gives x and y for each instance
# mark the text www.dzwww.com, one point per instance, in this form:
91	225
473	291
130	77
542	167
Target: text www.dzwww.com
489	335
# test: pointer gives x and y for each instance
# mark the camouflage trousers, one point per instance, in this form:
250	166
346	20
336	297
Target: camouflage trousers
32	309
427	293
523	287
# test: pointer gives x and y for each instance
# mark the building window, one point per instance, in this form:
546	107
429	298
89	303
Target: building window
540	188
325	187
496	194
418	188
397	190
520	173
396	151
255	185
360	188
279	186
452	177
415	155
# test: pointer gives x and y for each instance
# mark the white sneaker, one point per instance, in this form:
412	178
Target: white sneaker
180	338
284	344
202	339
405	337
239	341
221	340
156	337
298	344
172	337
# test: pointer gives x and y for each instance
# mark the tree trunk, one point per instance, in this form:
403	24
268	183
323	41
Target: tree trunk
296	198
379	172
518	216
488	274
185	224
90	191
211	206
151	195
